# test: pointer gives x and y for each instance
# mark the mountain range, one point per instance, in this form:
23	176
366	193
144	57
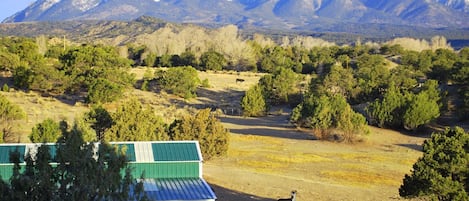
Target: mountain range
272	14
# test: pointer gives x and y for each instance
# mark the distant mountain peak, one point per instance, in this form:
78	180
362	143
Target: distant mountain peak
85	5
48	3
277	14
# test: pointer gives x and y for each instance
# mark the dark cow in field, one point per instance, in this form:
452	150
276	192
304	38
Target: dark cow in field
239	80
293	197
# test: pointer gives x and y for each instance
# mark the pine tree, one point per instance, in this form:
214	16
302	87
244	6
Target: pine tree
134	122
443	171
46	131
253	102
204	127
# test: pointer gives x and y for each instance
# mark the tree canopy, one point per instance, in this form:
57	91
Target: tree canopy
204	127
182	81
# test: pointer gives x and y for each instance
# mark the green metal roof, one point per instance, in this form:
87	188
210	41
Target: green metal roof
129	149
6	150
158	159
181	151
52	151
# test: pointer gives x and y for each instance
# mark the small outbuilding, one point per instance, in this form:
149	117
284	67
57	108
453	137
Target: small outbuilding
172	169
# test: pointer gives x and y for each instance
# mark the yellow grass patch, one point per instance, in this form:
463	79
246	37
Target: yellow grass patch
361	157
360	178
297	158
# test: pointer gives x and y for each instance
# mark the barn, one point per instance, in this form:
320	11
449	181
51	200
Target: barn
172	169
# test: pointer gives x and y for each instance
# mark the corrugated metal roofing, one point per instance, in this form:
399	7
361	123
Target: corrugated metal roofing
161	151
178	189
182	151
5	151
142	152
166	170
129	149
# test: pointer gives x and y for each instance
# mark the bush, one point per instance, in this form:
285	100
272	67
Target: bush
253	102
47	131
327	113
5	88
205	83
133	122
103	91
204	127
181	81
9	112
212	60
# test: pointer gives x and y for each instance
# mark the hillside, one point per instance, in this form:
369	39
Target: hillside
273	14
122	32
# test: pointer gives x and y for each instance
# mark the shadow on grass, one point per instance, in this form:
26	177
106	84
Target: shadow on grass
415	147
272	126
289	134
224	194
275	121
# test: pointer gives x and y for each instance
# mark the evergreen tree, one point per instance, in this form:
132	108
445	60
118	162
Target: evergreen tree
442	172
9	112
253	102
325	113
372	74
204	127
47	131
103	91
212	60
100	120
279	86
134	122
182	81
421	109
387	112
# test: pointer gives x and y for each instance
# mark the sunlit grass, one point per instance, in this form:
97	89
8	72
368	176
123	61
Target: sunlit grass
360	178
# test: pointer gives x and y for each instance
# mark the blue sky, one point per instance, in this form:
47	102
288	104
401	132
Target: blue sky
10	7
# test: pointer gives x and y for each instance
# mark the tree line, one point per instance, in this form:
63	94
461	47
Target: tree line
388	86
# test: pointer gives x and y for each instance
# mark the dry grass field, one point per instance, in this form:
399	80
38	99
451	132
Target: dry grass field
268	157
269	167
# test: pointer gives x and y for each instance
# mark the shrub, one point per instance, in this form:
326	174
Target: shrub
212	60
103	91
253	102
5	88
182	81
204	127
134	122
9	112
47	131
327	113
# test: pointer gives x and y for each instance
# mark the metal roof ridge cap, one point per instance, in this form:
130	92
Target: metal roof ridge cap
199	151
26	144
158	142
185	161
117	142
